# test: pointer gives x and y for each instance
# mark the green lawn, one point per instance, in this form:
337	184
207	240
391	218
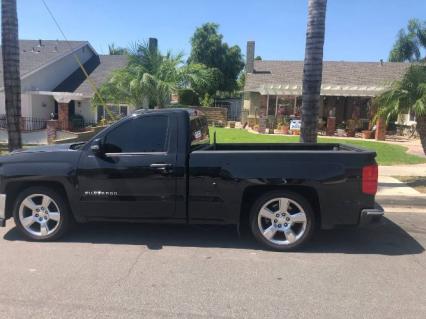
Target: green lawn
387	154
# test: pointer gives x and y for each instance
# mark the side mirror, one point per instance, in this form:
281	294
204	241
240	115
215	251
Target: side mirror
96	147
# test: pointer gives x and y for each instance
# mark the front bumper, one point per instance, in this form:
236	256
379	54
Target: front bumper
2	210
371	215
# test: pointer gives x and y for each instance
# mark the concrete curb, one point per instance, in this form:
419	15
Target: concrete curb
417	201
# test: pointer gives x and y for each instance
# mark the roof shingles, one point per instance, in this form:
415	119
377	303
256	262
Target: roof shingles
99	68
33	55
334	73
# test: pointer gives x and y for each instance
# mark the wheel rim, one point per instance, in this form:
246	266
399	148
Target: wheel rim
282	221
39	215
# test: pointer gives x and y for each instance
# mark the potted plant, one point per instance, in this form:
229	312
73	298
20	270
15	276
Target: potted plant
281	129
367	134
286	125
341	129
372	112
351	128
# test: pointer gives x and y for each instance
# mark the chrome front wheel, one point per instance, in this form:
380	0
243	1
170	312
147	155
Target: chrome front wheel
42	213
39	215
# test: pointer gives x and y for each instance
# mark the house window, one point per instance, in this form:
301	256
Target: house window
123	110
101	112
286	105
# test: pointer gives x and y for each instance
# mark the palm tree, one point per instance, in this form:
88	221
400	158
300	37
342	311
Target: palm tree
113	50
312	70
409	44
406	96
11	75
153	77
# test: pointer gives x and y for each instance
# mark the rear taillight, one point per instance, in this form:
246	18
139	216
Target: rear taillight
370	175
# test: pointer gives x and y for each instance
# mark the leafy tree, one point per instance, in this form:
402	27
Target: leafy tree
11	75
209	49
211	78
258	58
188	97
312	70
241	81
153	77
207	100
113	50
407	95
410	43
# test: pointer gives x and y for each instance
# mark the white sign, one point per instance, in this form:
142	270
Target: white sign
295	124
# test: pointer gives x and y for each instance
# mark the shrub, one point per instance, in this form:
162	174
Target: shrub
77	121
207	100
188	97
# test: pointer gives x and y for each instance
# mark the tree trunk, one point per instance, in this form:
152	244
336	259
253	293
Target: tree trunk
421	128
11	76
312	71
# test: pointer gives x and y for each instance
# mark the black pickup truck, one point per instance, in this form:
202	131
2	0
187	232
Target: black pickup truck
161	166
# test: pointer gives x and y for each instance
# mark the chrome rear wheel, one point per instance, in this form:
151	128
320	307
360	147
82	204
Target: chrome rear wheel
282	220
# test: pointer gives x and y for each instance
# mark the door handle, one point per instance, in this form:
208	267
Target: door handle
164	167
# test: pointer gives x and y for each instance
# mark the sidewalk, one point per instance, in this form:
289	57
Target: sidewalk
392	186
403	170
402	204
396	196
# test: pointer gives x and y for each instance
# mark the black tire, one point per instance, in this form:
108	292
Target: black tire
301	201
65	222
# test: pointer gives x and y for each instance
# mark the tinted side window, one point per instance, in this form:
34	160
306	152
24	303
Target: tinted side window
143	134
199	131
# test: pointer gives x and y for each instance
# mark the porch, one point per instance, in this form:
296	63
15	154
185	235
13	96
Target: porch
277	108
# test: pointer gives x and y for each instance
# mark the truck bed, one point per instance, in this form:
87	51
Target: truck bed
288	147
220	173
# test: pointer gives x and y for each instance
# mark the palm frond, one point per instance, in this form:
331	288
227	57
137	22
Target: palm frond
406	95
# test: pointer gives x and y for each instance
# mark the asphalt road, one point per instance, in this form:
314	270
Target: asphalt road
153	271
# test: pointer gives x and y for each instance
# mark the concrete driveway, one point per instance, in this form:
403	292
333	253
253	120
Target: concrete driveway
151	271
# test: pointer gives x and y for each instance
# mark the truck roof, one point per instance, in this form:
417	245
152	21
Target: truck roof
193	113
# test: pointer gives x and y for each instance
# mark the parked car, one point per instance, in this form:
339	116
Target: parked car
160	166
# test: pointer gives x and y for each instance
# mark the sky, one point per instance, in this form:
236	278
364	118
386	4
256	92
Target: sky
361	30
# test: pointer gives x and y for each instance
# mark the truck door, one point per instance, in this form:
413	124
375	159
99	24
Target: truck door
133	176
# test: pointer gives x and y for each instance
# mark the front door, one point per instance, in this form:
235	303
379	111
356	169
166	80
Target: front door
134	178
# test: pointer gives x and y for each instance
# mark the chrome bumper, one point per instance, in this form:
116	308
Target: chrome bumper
2	210
372	215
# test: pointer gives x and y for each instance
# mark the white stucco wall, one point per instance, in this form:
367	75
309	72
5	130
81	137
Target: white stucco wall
25	104
86	110
2	104
42	106
130	109
49	77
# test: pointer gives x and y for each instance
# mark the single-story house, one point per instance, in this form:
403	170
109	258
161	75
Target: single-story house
53	82
275	87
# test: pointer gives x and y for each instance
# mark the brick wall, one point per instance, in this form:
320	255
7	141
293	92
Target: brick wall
214	114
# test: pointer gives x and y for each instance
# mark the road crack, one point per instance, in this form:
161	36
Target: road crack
131	268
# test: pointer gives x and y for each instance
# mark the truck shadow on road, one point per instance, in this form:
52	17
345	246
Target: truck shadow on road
386	238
